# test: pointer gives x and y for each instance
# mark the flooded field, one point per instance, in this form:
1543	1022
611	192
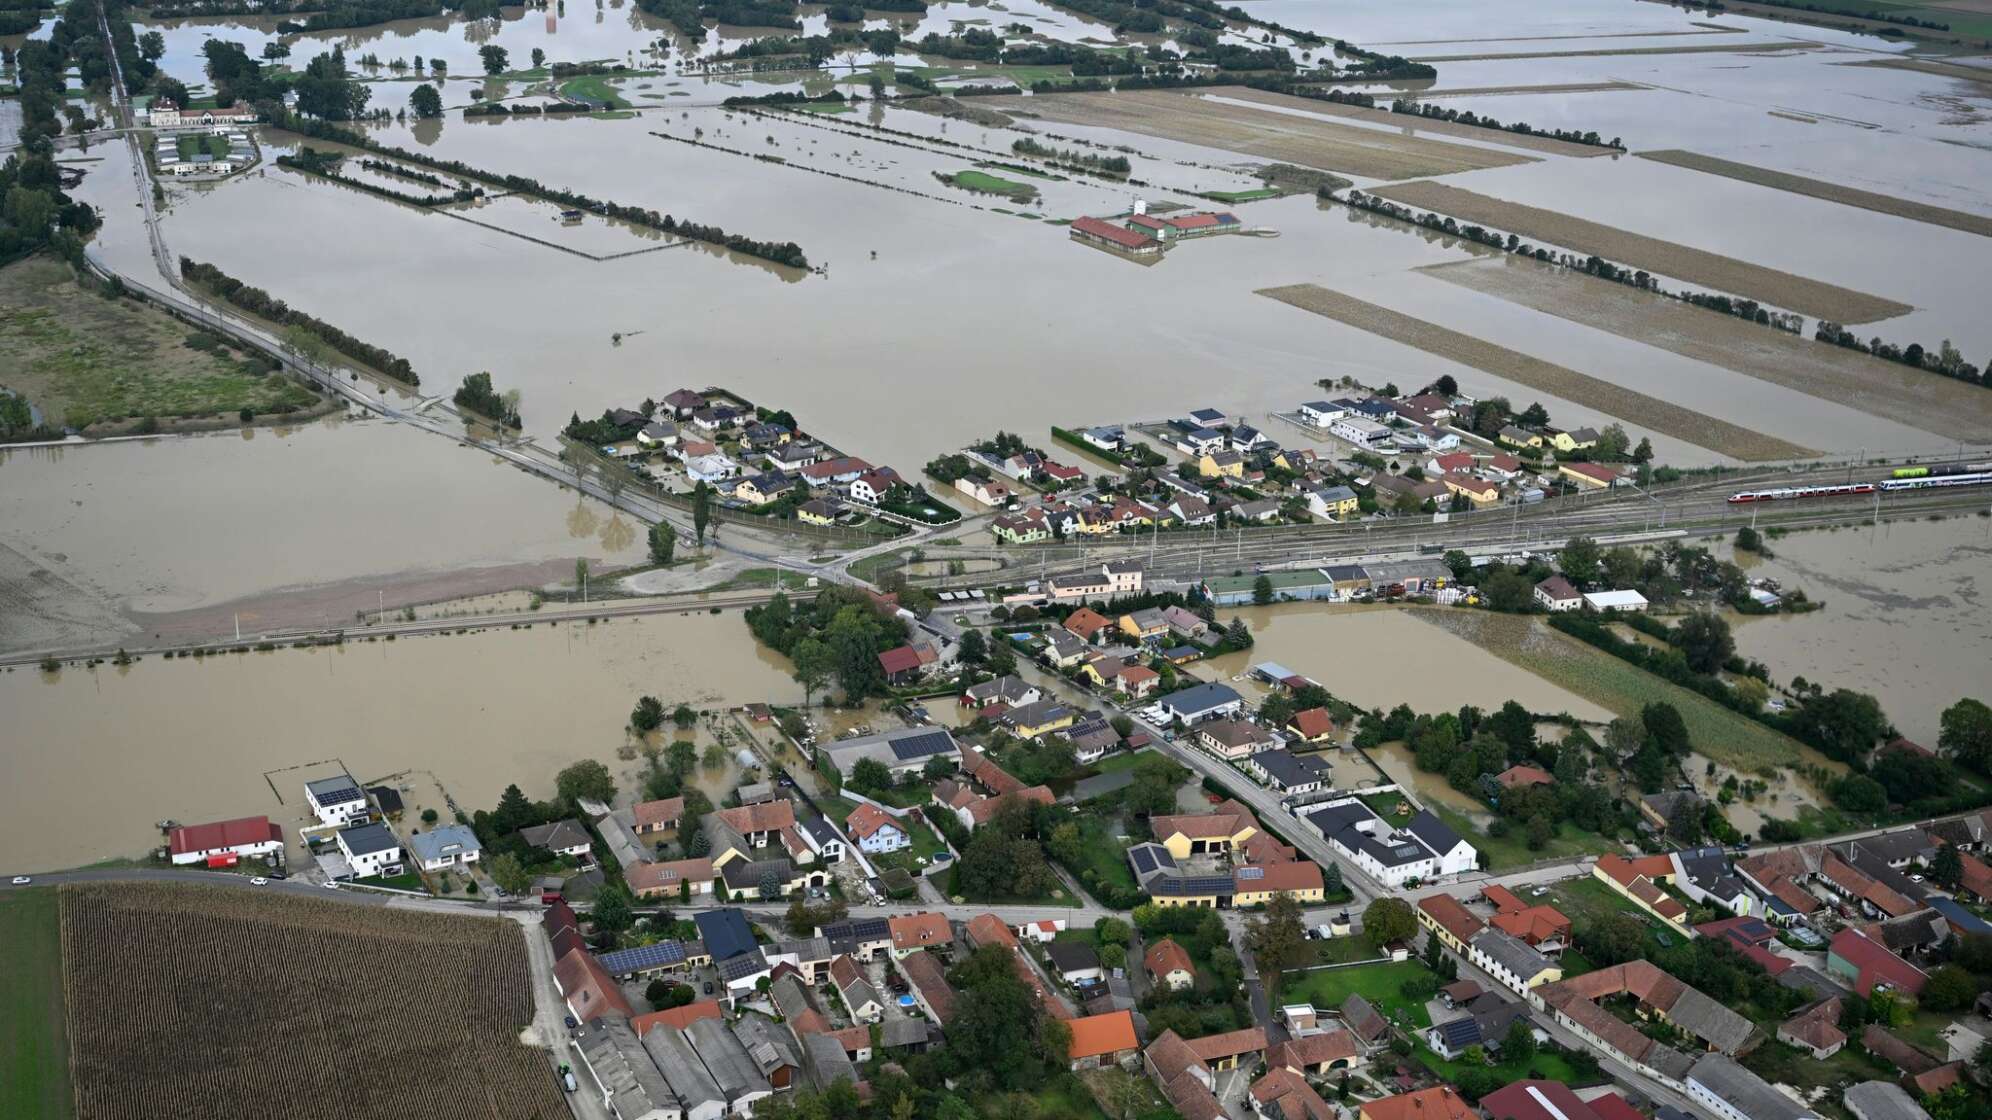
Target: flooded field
1906	615
192	739
281	527
1380	658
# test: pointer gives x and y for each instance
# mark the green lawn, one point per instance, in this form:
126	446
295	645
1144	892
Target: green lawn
1552	1067
1104	856
191	146
1377	983
1243	196
1343	950
1064	1098
1385	806
594	88
827	108
1062	897
1585	900
1513	849
984	183
1121	760
925	844
34	1045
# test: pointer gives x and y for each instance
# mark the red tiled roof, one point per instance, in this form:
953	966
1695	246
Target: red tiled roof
1313	723
1098	1036
1231	1044
666	811
868	819
1593	470
1611	1106
1105	231
902	659
762	816
679	1017
1165	957
1441	1103
914	931
1087	622
1534	925
1536	1100
988	929
1193	221
224	834
1503	899
1875	964
1524	776
589	990
1450	915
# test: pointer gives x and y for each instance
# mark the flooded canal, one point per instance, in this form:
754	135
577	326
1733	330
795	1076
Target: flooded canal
1383	657
192	739
1906	617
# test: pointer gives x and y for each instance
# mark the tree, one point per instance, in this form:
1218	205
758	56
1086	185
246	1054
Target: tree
429	816
681	758
771	885
1950	988
510	874
495	58
1535	415
1965	734
1665	727
1580	560
1277	939
1113	956
425	101
1262	590
1613	939
152	46
663	542
1703	638
614	909
684	717
870	774
1388	919
701	511
1947	867
1540	831
814	664
1459	563
1507	590
1858	793
1331	881
648	715
586	779
1519	1047
974	648
1844	723
539	58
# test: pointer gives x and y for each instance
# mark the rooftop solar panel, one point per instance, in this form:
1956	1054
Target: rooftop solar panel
644	957
917	746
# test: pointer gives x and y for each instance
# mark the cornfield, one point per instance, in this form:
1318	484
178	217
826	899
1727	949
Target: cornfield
207	1001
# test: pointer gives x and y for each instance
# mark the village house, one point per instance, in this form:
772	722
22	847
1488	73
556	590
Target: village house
1312	725
225	842
1168	965
1234	739
1285	771
875	831
335	801
1558	594
657	818
448	846
370	850
562	838
1105	1040
1590	476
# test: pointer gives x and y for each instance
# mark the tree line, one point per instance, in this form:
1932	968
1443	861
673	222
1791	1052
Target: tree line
1109	165
1430	111
784	252
256	301
325	165
1946	360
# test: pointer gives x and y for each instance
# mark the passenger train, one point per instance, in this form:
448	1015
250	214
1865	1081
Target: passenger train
1906	478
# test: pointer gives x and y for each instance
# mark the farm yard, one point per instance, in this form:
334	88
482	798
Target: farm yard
1861	381
1633	406
1831	192
203	1001
1289	138
1633	250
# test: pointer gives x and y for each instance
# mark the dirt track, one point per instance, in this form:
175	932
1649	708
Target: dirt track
1566	87
1307	141
1831	192
1630	405
1860	381
1696	266
1546	144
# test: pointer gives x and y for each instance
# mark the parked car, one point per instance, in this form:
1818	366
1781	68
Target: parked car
23	880
260	881
573	1023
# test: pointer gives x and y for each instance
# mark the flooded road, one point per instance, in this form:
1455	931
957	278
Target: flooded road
1382	657
1907	616
191	739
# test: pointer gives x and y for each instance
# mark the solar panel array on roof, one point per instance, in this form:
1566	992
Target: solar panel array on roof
1150	858
1192	885
644	958
920	746
746	964
1251	873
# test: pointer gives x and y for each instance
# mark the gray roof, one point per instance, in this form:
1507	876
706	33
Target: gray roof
903	1032
1071	956
790	997
1710	1021
805	949
758	1031
1149	859
618	831
367	839
431	846
1433	832
860	992
1744	1091
820	830
1207	697
1894	847
1882	1100
1510	952
556	836
745	875
624	1068
908	746
1008	689
1339	823
823	1056
740	967
335	790
736	1071
1397	571
1289	769
689	1080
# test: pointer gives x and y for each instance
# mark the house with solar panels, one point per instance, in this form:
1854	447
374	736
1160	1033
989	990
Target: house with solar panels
664	956
371	849
902	751
336	800
1424	849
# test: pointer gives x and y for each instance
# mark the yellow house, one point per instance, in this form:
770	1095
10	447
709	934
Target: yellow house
751	490
1179	892
1519	437
1338	502
1479	491
1574	440
1101	669
1206	833
1041	718
1448	920
1294	459
1257	886
1142	624
1590	476
1221	464
1639	881
816	512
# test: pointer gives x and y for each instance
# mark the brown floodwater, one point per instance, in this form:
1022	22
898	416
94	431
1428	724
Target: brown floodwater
1383	657
191	740
181	523
1906	615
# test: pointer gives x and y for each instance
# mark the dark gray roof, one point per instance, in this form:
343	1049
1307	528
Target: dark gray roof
820	830
1207	697
1149	859
1710	1021
1894	847
757	1032
1339	824
740	967
1460	1033
1071	956
903	1032
727	1060
898	747
1433	832
745	875
1288	769
1510	952
1189	886
1882	1100
367	839
726	933
644	958
824	1057
556	836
